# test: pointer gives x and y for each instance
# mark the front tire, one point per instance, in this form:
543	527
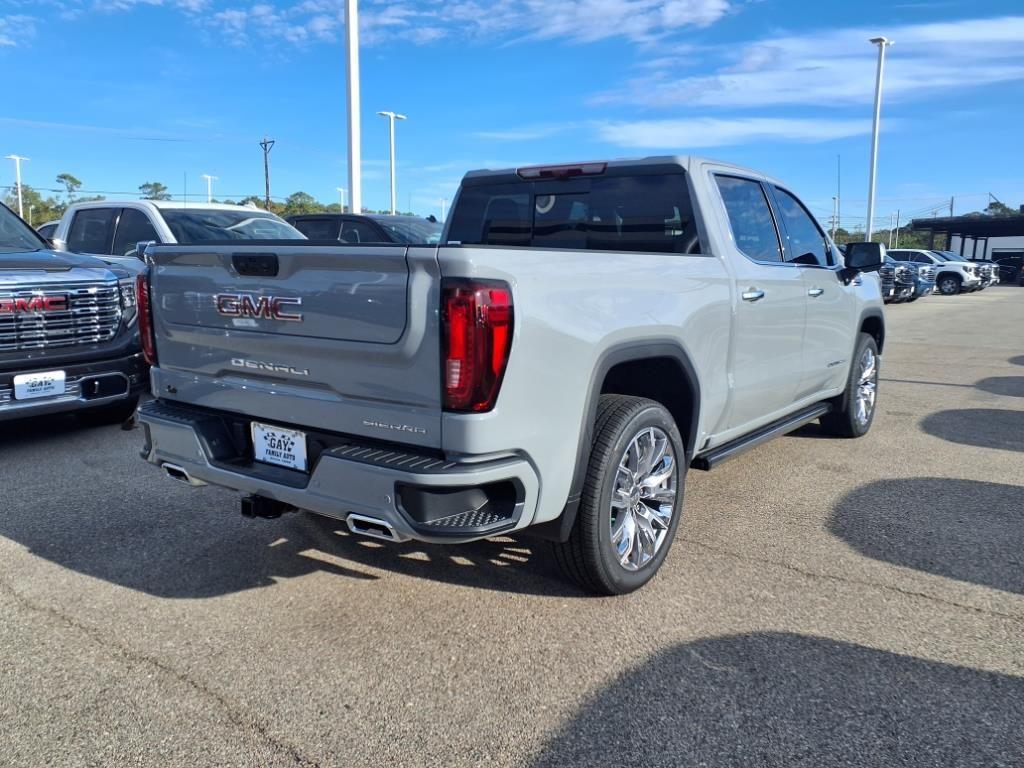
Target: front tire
857	405
949	285
632	498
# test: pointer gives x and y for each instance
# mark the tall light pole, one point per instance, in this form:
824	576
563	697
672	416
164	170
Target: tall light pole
17	179
444	207
30	209
392	116
882	44
835	216
355	179
341	198
209	186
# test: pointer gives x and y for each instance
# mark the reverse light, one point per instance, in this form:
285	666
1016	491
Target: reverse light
477	339
145	309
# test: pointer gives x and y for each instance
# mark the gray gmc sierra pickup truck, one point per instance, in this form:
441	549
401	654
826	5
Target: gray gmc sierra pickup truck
68	335
581	336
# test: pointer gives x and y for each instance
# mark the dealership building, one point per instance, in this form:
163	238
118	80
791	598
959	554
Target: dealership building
999	239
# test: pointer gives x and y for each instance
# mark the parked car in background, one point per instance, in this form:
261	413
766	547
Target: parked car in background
897	281
112	230
582	336
69	337
369	228
924	279
48	230
995	273
951	274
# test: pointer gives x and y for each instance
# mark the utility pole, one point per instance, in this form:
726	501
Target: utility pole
882	44
951	207
890	230
839	194
17	176
355	179
897	227
341	198
444	207
30	209
835	216
392	116
209	186
267	144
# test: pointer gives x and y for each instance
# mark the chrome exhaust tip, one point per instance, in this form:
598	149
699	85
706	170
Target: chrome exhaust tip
372	527
175	472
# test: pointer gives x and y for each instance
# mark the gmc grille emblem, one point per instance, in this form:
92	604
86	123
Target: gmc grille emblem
265	307
33	304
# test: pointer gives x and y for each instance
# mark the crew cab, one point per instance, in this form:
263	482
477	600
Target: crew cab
581	337
368	228
69	340
953	275
112	230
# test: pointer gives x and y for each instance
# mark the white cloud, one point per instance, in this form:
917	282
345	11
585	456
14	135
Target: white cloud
16	30
702	132
837	67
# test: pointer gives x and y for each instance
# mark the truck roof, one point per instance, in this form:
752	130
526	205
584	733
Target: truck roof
686	162
165	205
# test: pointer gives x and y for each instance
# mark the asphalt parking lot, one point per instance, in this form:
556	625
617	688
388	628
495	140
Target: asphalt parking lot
827	603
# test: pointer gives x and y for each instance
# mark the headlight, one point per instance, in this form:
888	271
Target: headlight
126	288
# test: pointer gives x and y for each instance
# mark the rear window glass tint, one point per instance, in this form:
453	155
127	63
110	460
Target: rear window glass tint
615	213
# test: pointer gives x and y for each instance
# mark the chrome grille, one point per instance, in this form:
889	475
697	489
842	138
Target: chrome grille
92	316
928	274
904	276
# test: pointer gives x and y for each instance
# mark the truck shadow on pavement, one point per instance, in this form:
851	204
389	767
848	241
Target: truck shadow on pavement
962	529
786	700
982	427
1019	360
1011	386
112	517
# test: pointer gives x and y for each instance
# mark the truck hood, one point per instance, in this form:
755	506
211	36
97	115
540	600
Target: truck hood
45	264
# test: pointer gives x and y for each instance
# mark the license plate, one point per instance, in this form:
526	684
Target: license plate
31	385
276	445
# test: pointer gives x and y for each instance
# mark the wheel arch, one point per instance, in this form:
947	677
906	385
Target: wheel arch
872	322
619	370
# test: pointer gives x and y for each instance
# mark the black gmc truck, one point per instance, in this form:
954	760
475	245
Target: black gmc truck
69	338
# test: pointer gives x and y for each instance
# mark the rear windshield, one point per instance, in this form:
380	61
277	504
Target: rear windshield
196	225
606	213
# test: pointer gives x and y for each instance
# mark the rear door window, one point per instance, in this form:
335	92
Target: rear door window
132	228
318	229
750	217
359	232
91	230
648	213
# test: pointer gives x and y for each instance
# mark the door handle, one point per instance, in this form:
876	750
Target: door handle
815	292
752	295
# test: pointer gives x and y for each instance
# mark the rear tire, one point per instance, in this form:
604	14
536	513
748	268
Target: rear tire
949	285
632	498
115	413
858	403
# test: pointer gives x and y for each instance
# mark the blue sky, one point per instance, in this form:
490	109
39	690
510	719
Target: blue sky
120	92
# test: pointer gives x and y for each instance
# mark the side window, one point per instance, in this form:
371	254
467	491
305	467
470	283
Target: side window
358	232
750	217
90	230
133	227
899	255
317	229
920	258
806	243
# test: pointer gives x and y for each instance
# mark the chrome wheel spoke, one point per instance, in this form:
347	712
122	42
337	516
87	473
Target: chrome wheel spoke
643	498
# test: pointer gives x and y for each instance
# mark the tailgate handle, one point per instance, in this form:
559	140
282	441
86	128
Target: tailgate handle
255	264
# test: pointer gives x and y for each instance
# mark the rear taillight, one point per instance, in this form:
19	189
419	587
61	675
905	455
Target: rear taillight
142	298
477	327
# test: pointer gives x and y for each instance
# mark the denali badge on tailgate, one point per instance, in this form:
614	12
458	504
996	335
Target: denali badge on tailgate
266	307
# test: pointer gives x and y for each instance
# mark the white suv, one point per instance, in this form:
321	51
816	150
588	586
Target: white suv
111	230
952	275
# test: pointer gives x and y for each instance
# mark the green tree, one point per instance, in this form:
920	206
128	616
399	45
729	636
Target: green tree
998	209
299	203
154	190
37	209
71	184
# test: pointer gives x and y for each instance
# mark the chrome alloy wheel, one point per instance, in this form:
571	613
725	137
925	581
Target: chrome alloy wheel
867	387
643	498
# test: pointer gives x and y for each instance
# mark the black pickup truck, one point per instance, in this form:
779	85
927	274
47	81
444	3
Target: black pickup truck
69	338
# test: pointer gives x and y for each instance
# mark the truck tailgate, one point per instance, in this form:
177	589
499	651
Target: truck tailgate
338	338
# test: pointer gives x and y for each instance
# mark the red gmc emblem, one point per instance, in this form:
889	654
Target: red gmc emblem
266	307
33	304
